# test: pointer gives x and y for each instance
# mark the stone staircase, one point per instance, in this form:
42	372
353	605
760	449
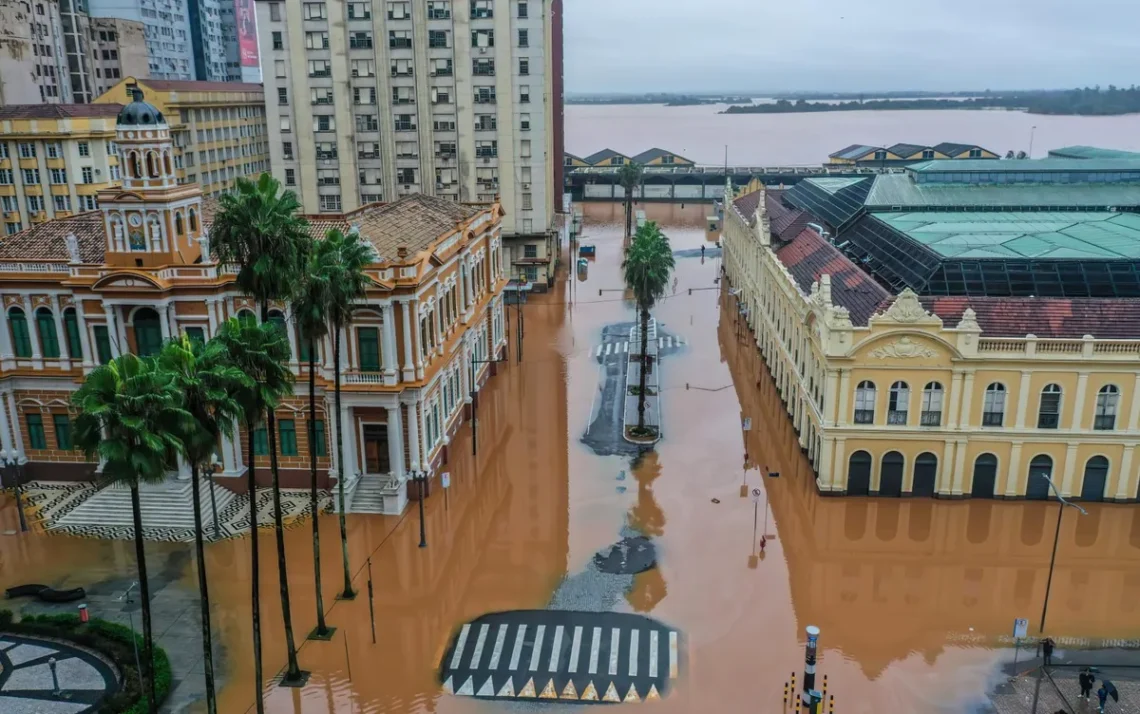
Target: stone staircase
377	494
165	506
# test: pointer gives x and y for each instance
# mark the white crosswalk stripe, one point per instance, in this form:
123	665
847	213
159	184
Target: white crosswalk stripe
538	634
653	653
599	352
633	636
625	347
459	645
556	649
615	649
478	653
518	647
498	651
595	648
575	650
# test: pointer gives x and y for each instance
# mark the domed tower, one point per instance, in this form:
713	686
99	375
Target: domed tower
151	220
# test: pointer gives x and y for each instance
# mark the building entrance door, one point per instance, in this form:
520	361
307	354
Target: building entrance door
376	449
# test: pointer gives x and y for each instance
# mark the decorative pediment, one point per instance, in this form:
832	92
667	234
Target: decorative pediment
907	310
137	281
902	348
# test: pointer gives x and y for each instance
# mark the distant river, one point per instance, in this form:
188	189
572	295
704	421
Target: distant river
700	133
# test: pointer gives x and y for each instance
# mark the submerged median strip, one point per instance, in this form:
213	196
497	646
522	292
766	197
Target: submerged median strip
650	433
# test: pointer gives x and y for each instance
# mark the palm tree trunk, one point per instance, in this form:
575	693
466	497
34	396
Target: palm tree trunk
293	671
255	566
322	628
146	675
348	592
628	211
645	363
204	595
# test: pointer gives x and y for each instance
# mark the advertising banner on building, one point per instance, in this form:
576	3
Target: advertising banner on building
247	33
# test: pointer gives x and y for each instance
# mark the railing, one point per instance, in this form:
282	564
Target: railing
34	268
364	378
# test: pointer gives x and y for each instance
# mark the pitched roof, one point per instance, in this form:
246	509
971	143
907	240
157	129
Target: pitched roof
902	191
853	151
808	256
1091	152
413	221
905	150
190	85
747	204
603	155
58	111
45	241
647	156
951	149
1057	318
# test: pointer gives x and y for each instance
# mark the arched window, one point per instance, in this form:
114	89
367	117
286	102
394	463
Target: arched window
891	474
925	475
859	474
166	164
897	404
21	339
1049	413
152	164
985	476
178	227
931	405
71	328
865	403
1040	472
247	317
1107	400
148	333
993	409
134	165
49	338
1096	478
193	220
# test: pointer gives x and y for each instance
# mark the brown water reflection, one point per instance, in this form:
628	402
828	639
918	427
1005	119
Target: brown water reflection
911	596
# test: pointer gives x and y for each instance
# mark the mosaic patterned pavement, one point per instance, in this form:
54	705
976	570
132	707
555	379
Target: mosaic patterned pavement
48	502
28	686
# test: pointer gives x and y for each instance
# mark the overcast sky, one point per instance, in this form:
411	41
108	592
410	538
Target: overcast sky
849	45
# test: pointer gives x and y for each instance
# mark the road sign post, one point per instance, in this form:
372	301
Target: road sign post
1020	631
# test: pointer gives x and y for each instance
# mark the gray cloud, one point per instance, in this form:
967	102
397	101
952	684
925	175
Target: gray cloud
848	45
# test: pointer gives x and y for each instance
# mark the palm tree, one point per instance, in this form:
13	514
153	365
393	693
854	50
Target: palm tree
130	413
258	229
344	257
629	176
309	305
647	267
207	383
261	352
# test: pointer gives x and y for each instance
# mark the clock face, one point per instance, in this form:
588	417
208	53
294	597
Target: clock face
135	219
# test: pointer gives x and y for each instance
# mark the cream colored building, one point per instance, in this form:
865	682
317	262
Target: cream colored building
54	160
372	100
118	50
950	395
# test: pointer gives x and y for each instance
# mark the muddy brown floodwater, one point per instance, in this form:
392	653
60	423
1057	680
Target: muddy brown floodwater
912	597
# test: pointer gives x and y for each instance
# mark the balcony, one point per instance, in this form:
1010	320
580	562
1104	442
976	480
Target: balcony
368	154
318	73
400	43
363	378
326	156
405	126
368	126
362	44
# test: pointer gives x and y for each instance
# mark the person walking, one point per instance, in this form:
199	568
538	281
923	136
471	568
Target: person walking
1047	649
1102	695
1086	680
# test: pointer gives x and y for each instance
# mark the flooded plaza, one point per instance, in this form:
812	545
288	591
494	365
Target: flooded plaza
915	598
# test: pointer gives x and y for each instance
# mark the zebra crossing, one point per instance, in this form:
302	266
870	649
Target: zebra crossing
663	343
540	654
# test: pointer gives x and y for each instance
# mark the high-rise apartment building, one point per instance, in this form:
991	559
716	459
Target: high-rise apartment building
33	59
214	39
118	49
371	100
166	27
75	23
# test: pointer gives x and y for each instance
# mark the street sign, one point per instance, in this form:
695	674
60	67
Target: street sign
1020	628
756	495
748	423
445	479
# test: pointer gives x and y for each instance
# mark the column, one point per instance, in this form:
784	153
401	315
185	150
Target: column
955	400
164	321
172	311
294	354
967	399
33	333
438	321
1134	410
349	468
414	434
183	469
84	337
344	361
960	468
1079	401
1011	477
228	449
1022	399
388	342
327	348
395	443
15	416
5	431
60	334
844	397
467	273
465	372
112	330
830	402
121	324
1068	476
212	317
420	351
825	465
6	352
946	481
1124	485
409	364
838	469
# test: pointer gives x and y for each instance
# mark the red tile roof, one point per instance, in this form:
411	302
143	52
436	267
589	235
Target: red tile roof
746	204
1103	318
189	85
809	256
46	240
58	111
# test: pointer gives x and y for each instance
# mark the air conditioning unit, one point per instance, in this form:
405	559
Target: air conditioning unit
526	186
482	50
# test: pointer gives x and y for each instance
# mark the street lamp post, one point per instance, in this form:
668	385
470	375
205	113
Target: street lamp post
215	467
475	399
1063	502
421	478
1032	131
11	459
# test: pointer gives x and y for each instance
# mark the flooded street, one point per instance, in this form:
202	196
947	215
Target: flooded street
913	597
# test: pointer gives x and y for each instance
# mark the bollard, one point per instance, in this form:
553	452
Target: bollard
83	615
809	665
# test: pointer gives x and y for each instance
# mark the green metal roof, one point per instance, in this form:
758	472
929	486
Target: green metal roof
1026	165
1092	152
1021	234
890	190
834	184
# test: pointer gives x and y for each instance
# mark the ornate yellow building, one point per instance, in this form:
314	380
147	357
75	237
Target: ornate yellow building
77	291
948	395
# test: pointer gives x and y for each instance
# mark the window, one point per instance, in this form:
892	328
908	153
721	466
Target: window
360	41
282	95
993	408
400	39
483	67
441	95
148	333
315	11
403	95
196	335
482	38
36	431
21	340
405	176
437	38
330	203
931	405
278	41
31	176
274	12
441	67
897	403
62	424
865	403
438	10
5	177
88	203
524	38
364	95
483	95
45	327
398	11
84	148
524	94
486	149
287	429
481	9
3	149
102	344
287	149
52	149
363	68
1049	413
527	202
360	11
27	150
524	66
1107	400
530	251
58	176
260	441
404	122
369	342
975	153
401	68
523	10
317	437
324	122
320	68
62	203
87	174
290	177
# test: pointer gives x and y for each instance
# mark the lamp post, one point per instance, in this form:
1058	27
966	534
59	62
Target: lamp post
215	467
1032	131
1056	537
475	400
421	478
11	459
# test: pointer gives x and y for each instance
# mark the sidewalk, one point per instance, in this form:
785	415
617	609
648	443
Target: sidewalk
1056	689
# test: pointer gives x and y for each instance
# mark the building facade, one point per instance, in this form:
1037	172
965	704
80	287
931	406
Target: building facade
77	291
118	50
54	161
219	128
33	55
213	36
967	395
166	27
376	99
75	25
